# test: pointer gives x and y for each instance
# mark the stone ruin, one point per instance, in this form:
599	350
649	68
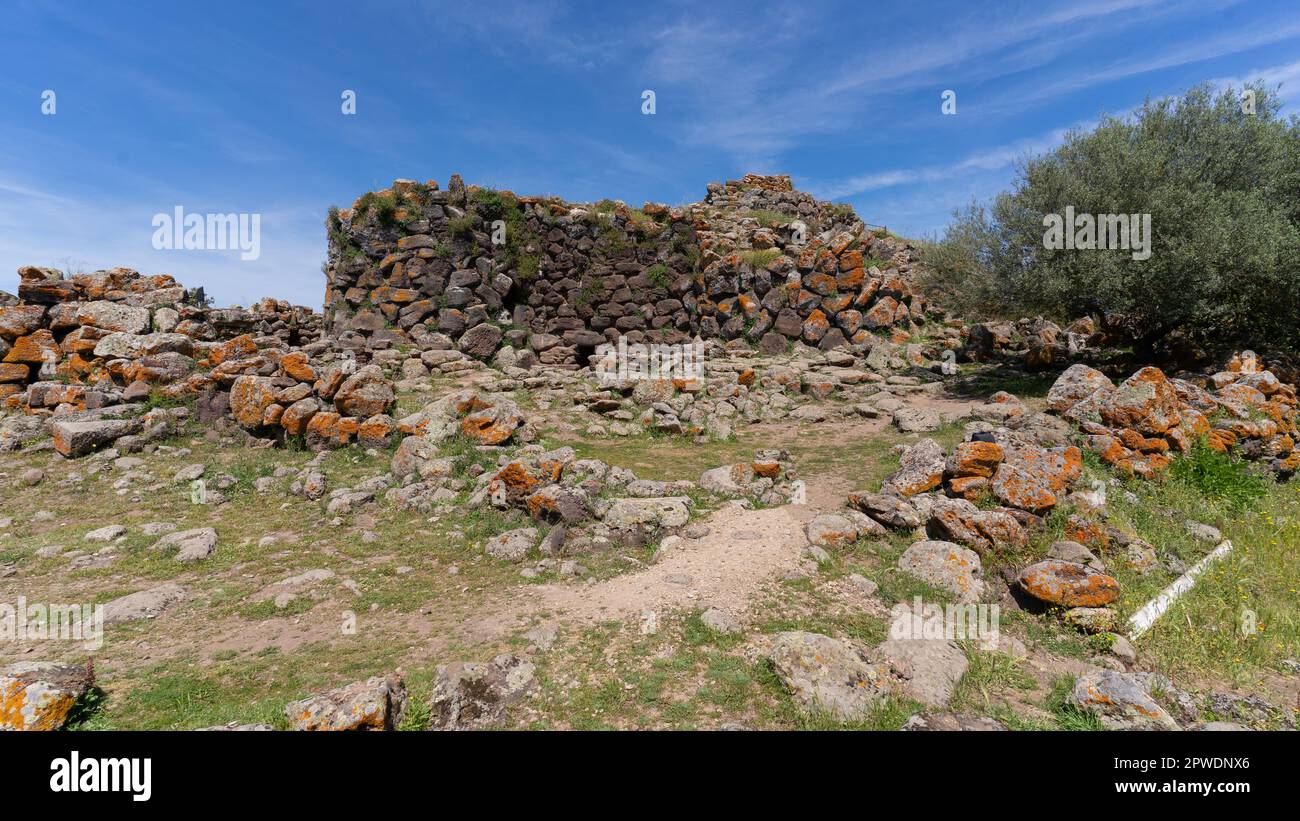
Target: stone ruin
416	265
418	271
84	356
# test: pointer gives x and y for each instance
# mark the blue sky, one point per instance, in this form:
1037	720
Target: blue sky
235	107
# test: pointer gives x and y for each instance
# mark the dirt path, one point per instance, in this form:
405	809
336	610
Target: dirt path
743	550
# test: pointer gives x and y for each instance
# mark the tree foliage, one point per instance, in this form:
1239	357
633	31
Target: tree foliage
1222	186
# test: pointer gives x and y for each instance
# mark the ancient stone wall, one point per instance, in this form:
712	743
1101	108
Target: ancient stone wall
476	269
83	340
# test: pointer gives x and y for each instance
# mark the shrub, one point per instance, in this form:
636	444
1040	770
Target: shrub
383	207
493	205
461	226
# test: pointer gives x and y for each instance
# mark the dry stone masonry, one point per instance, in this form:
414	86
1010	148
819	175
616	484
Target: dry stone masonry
475	269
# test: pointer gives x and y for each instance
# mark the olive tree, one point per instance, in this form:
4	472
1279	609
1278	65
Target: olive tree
1219	177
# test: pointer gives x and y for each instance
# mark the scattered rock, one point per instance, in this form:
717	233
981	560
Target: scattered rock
719	621
106	533
1119	701
469	695
145	604
374	704
190	545
825	674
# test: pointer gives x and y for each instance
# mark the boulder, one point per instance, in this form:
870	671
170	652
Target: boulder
1119	701
1035	479
493	423
113	316
916	420
73	439
831	530
1068	584
250	396
512	545
920	469
651	514
481	341
190	545
555	503
374	704
830	676
960	521
946	566
119	345
470	696
20	320
364	393
890	511
974	459
929	668
1145	402
145	604
1076	383
41	695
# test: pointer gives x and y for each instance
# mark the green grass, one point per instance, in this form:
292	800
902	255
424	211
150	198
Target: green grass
989	676
383	207
1068	717
1201	636
1219	477
769	219
760	258
659	275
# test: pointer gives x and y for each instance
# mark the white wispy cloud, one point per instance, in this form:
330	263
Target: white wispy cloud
989	159
1286	76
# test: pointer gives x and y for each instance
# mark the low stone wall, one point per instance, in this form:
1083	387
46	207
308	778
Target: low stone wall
83	340
417	265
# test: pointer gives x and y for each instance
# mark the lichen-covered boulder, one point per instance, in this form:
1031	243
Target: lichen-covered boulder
920	469
960	521
374	704
40	695
1068	584
1145	402
250	396
1119	701
946	566
1076	383
364	393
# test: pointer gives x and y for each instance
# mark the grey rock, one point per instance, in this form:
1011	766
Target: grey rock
469	695
1119	701
827	675
190	545
946	566
512	545
145	604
